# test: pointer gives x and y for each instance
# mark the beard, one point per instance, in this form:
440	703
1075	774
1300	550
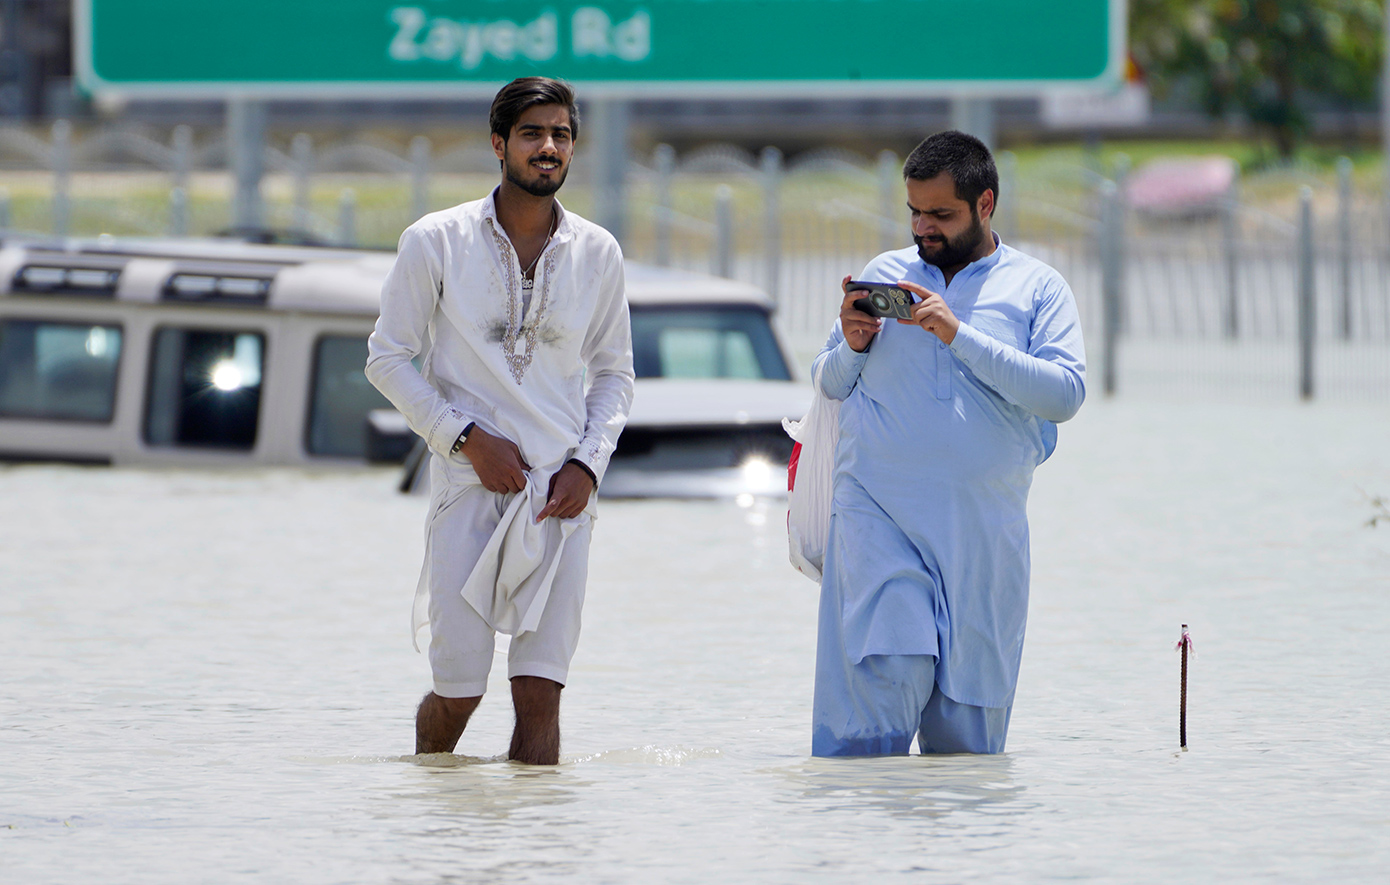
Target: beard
954	251
540	187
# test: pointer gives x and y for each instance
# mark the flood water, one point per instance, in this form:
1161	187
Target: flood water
207	677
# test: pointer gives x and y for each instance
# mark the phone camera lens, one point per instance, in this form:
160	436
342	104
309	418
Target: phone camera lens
881	301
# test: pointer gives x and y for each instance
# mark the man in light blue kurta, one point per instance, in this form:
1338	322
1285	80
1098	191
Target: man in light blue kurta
944	417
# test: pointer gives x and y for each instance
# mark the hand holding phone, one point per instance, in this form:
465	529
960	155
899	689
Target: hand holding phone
882	299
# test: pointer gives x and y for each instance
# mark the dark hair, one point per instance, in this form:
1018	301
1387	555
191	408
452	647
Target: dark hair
964	157
527	92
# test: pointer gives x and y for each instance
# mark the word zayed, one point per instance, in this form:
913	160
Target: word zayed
593	35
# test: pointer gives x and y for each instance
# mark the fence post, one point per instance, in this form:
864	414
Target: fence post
1230	243
889	206
183	155
1121	224
772	219
1007	198
178	212
724	231
62	170
419	176
665	171
1306	294
1344	235
347	217
302	162
1111	285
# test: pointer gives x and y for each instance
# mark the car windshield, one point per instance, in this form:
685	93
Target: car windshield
716	341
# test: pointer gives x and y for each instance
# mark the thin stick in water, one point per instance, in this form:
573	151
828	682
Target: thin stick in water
1184	646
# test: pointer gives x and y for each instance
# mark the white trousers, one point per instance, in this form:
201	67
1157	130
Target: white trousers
462	643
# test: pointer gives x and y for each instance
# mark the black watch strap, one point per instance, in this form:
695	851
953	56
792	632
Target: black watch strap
463	437
584	467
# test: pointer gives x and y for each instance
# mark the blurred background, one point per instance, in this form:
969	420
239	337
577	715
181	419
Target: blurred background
1208	174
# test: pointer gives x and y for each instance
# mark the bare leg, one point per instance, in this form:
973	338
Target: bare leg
439	722
536	738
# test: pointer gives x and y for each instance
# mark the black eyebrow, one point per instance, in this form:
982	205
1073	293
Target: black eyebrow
528	127
931	211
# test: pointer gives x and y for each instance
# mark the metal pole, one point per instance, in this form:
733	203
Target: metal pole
5	216
1110	284
1306	294
1121	223
302	161
62	171
974	116
1230	242
1006	221
246	124
1344	240
608	121
347	217
419	176
889	204
1385	124
723	231
178	212
772	220
183	155
665	171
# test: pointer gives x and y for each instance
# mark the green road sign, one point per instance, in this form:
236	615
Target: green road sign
617	47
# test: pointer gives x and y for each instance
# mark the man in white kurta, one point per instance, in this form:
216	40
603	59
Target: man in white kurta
517	312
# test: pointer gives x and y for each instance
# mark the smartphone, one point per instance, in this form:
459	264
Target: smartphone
882	299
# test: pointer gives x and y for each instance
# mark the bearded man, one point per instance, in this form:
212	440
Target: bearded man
924	592
517	308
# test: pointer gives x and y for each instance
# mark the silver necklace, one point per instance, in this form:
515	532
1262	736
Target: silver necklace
527	281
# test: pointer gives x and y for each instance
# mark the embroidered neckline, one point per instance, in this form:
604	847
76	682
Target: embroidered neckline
518	363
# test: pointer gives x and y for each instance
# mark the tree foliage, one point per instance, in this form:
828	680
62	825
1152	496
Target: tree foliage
1262	58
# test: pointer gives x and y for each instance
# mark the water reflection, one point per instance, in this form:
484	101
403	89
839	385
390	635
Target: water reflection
486	788
907	786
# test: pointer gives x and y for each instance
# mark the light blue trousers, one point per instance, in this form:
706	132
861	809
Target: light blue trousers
876	706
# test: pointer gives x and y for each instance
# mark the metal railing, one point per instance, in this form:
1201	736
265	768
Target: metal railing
1282	290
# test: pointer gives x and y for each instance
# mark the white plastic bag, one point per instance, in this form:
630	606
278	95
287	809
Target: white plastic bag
809	490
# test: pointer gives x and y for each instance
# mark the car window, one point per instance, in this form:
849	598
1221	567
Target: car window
705	342
58	370
205	388
342	397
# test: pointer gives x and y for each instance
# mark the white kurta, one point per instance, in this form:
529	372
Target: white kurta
553	376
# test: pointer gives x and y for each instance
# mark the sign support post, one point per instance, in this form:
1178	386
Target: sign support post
608	124
246	125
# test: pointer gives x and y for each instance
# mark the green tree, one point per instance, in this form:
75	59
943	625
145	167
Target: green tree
1261	58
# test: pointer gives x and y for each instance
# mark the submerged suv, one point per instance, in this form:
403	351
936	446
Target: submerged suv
215	353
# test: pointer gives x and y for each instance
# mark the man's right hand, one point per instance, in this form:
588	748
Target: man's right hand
858	327
496	460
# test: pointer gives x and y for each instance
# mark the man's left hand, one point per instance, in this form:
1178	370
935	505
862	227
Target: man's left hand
931	313
570	489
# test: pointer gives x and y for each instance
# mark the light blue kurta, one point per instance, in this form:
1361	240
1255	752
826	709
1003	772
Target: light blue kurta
942	442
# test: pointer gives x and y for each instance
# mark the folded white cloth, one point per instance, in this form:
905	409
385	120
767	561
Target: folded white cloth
511	581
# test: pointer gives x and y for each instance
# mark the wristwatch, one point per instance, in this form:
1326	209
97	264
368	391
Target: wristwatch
463	438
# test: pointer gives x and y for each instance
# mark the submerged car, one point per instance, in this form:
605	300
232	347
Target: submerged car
213	353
